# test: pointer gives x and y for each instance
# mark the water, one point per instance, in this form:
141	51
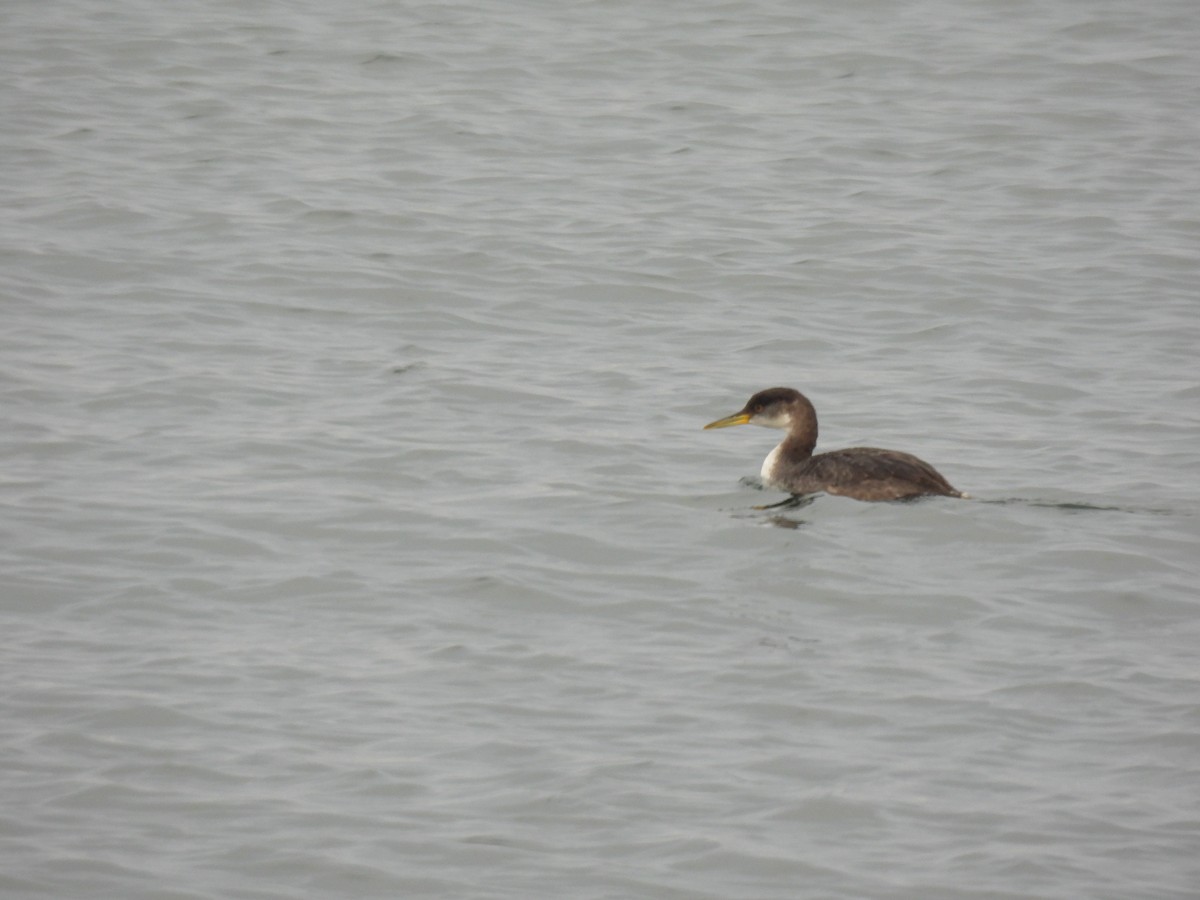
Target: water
359	534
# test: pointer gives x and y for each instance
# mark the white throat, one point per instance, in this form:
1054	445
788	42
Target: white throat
768	467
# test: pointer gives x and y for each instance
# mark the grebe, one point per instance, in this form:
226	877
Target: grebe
864	473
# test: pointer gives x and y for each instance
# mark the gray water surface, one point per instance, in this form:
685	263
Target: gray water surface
359	537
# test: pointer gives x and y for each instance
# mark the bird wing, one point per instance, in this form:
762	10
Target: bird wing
878	474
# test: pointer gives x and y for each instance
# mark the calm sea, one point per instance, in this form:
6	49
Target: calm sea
358	535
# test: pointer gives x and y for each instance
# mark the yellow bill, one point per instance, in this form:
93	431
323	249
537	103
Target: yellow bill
736	419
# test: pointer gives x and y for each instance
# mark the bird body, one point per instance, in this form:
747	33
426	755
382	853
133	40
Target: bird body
863	473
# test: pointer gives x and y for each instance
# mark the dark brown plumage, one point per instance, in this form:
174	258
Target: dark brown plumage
864	473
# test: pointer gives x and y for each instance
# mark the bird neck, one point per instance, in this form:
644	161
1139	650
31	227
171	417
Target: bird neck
802	431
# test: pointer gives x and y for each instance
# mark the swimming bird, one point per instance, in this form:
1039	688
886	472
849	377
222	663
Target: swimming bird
864	473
